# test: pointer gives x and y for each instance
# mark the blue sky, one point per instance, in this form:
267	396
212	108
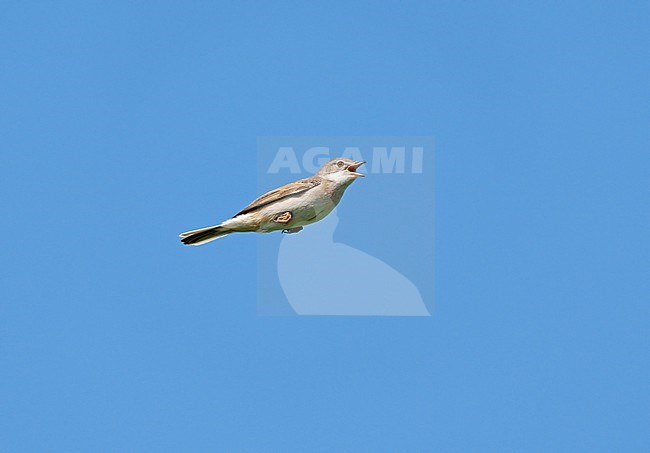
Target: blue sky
125	123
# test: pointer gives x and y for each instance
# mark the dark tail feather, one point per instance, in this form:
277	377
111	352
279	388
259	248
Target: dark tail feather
204	235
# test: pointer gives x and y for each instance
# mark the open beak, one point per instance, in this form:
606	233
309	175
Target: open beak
353	168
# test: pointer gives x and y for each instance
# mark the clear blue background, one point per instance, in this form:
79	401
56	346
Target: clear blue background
123	123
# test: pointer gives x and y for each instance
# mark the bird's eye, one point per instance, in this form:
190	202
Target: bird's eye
340	164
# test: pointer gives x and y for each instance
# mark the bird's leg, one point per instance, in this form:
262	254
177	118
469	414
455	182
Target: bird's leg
292	230
285	217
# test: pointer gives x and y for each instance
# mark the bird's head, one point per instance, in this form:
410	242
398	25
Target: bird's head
341	170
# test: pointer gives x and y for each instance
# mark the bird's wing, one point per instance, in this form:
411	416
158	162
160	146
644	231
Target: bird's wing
302	185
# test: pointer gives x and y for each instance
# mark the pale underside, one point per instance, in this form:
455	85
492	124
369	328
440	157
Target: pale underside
288	207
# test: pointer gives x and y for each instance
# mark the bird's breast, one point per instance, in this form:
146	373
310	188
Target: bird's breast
307	207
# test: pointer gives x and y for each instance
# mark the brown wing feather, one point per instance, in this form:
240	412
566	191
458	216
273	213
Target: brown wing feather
302	185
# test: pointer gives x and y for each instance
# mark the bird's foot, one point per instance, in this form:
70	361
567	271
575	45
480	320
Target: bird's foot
292	230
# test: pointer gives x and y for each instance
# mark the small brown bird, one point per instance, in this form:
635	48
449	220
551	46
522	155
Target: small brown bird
287	208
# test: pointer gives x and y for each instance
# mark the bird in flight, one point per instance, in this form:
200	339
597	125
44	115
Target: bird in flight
287	208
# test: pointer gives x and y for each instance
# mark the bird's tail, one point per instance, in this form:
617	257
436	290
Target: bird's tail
204	235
